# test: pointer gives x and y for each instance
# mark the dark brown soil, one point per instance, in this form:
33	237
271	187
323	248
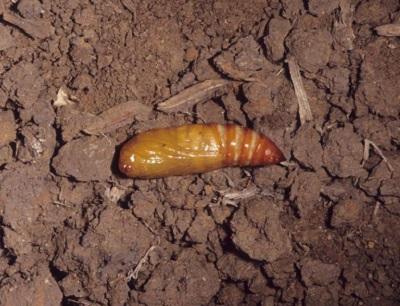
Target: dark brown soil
322	230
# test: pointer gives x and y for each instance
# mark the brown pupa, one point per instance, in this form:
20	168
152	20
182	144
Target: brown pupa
195	148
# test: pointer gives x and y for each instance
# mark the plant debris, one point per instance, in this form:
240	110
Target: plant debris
305	113
193	95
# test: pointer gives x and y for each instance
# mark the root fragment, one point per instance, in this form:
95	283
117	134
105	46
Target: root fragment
304	106
135	273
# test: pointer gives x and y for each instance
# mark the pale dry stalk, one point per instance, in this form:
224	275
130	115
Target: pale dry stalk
367	145
392	29
135	273
305	113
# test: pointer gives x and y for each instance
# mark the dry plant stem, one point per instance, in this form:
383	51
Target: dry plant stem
231	198
288	164
304	107
376	209
149	227
59	203
367	144
343	26
230	182
116	117
135	273
198	93
392	29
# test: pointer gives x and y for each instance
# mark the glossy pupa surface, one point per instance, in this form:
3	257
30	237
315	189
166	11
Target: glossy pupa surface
195	148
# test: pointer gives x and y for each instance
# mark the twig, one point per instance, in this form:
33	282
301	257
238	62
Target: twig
195	94
135	273
367	144
392	29
304	107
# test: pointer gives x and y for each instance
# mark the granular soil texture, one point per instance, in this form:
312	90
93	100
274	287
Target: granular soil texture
322	229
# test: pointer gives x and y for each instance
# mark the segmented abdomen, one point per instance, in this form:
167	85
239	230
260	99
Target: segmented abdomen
245	147
195	148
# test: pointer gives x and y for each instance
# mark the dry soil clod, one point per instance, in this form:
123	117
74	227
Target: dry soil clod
304	106
33	28
227	68
392	29
197	93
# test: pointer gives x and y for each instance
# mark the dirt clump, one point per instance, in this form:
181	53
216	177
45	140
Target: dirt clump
85	159
344	158
311	48
8	128
189	275
260	226
278	28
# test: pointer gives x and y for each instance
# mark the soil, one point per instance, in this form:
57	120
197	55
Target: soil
323	229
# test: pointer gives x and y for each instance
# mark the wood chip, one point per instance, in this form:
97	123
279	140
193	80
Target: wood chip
392	29
198	93
116	117
304	106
